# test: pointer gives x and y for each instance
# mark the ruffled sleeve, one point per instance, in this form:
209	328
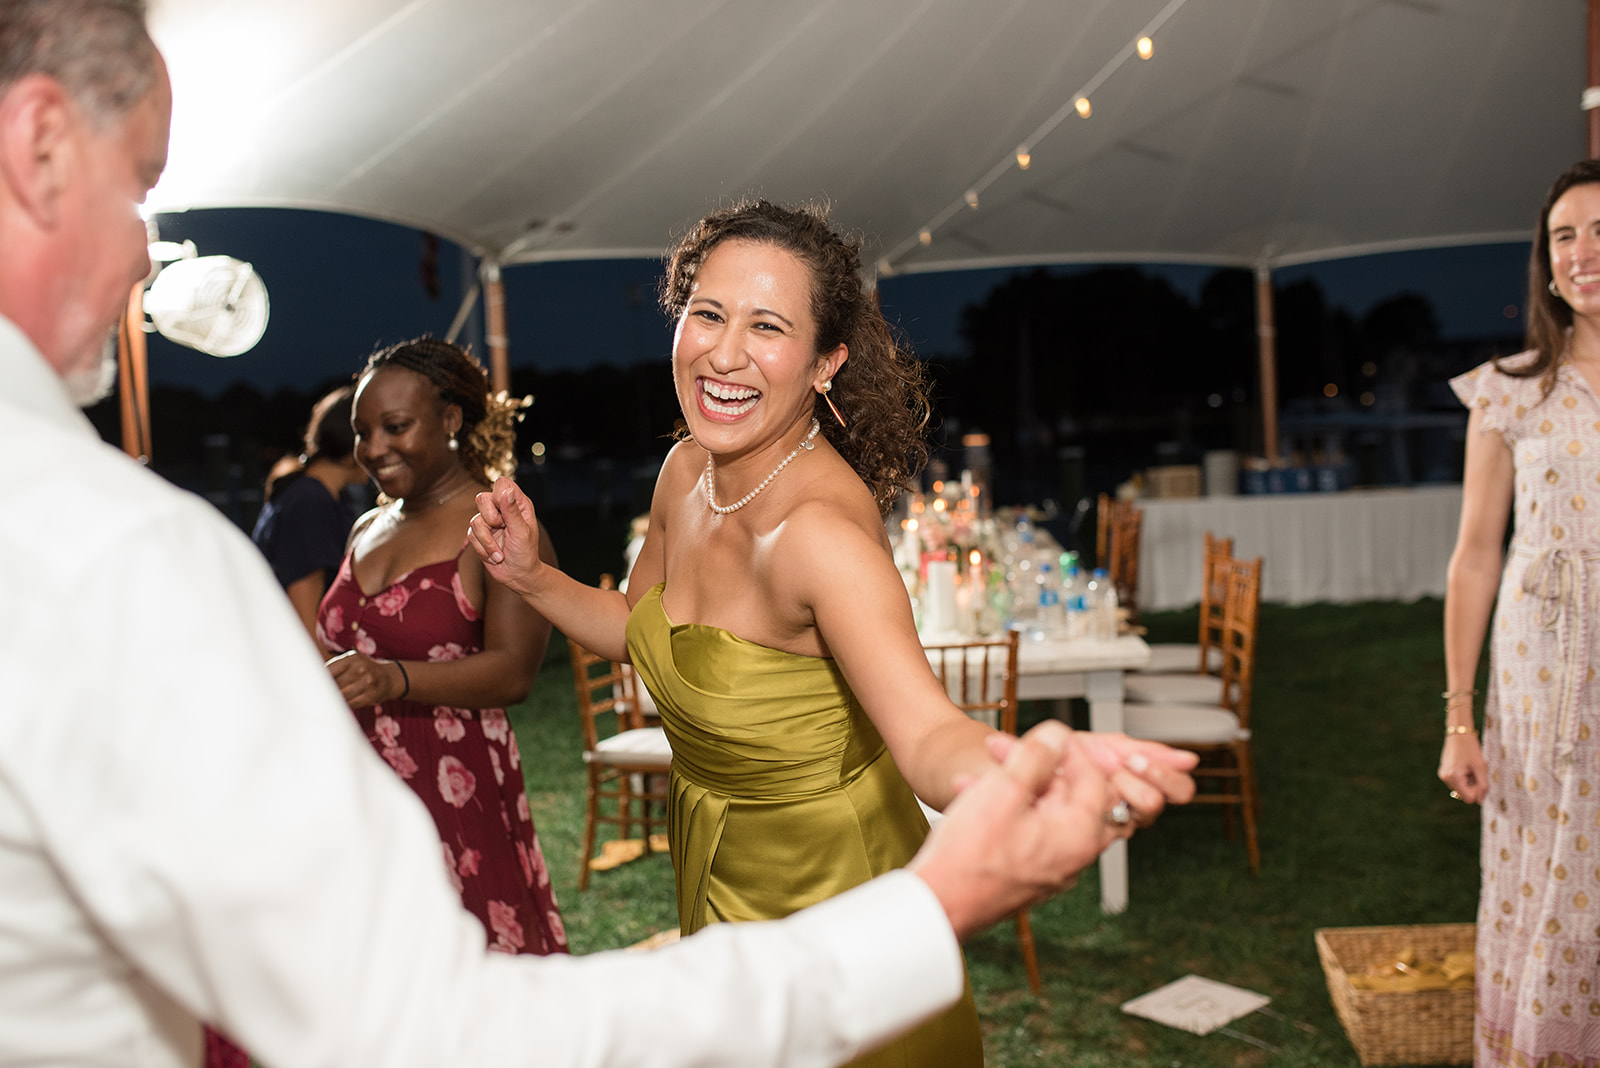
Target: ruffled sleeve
1504	398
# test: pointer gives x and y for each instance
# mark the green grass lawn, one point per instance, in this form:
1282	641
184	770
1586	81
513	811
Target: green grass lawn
1356	830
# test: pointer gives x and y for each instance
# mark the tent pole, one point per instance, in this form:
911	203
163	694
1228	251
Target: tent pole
1591	95
133	379
1267	359
494	310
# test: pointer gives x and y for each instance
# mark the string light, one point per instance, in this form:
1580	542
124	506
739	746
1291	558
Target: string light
1143	46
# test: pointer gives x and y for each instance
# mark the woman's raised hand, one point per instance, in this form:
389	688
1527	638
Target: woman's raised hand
505	534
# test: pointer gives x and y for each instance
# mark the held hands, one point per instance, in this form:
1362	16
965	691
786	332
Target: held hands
1023	831
505	534
1462	768
364	681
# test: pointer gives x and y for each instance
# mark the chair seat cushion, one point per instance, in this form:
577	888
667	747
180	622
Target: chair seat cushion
1190	689
1176	657
1179	724
645	747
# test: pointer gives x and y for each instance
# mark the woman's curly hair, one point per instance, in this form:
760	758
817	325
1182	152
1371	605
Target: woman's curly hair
882	389
488	437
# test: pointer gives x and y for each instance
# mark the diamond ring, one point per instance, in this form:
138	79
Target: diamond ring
1120	814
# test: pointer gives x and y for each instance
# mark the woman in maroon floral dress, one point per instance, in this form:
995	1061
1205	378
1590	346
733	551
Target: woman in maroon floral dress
430	657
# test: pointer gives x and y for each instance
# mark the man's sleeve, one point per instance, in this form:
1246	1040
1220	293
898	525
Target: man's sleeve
209	799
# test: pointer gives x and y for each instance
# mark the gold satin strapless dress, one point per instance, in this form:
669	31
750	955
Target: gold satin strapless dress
783	794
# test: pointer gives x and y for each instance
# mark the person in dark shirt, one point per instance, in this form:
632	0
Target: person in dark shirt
304	524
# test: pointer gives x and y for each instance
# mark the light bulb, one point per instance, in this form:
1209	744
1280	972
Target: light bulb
1024	157
1083	106
926	237
972	198
1145	47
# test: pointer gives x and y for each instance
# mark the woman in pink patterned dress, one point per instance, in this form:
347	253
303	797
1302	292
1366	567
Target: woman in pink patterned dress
427	649
1533	451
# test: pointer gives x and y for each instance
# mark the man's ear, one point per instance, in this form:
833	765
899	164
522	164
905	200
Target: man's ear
36	146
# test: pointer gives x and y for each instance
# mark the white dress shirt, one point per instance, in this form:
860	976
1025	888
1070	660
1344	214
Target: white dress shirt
192	827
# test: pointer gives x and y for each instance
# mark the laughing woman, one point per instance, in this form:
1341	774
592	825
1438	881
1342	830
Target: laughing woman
765	613
430	657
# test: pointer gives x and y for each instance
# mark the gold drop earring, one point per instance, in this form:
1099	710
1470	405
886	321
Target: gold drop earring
827	387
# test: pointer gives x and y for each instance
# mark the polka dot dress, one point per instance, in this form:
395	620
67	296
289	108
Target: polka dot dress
1538	947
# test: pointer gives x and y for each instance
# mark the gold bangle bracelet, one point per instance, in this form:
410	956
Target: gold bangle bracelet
1459	729
1452	694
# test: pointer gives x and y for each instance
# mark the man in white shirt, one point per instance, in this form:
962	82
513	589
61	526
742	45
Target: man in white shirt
191	826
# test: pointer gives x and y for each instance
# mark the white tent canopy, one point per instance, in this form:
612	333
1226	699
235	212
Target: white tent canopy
1260	133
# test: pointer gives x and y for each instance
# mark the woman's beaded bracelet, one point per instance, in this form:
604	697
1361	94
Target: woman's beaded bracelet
1459	728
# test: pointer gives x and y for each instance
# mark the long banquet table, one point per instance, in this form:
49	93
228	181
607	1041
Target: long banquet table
1358	545
1054	669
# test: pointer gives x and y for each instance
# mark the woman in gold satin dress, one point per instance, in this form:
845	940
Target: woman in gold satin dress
765	613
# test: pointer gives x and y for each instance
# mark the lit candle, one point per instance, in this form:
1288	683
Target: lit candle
977	598
910	546
941	615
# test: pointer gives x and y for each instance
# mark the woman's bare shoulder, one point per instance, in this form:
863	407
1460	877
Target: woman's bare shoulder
683	464
835	511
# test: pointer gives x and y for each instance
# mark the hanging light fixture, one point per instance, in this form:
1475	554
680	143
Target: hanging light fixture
1082	104
972	198
1024	157
1146	47
926	237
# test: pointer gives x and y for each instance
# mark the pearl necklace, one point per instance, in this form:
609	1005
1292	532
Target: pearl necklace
711	474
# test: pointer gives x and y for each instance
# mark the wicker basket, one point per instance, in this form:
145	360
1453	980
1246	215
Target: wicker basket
1398	1027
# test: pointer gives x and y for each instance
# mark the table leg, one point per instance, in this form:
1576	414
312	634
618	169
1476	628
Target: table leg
1104	691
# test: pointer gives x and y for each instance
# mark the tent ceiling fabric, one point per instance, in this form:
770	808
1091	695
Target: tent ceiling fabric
1261	131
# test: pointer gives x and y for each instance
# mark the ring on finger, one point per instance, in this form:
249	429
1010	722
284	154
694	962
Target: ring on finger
1120	814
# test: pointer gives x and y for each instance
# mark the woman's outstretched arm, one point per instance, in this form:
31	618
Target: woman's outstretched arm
843	572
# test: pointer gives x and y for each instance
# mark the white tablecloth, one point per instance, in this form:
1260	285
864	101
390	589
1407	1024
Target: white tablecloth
1360	545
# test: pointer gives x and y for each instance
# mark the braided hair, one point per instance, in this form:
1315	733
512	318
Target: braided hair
882	389
488	421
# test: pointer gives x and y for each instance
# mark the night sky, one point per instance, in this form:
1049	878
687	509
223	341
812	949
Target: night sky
342	286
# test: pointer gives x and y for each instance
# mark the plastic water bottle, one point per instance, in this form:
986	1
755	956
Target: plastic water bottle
1051	618
1072	589
1103	605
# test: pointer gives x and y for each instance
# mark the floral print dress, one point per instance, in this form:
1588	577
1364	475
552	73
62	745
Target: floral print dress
1538	944
462	762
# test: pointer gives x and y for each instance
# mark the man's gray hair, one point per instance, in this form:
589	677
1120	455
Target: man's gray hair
99	50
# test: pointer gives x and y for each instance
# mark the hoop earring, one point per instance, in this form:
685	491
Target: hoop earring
1551	286
827	387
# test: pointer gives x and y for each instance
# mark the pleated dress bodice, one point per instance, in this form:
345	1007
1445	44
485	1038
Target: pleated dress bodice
783	794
